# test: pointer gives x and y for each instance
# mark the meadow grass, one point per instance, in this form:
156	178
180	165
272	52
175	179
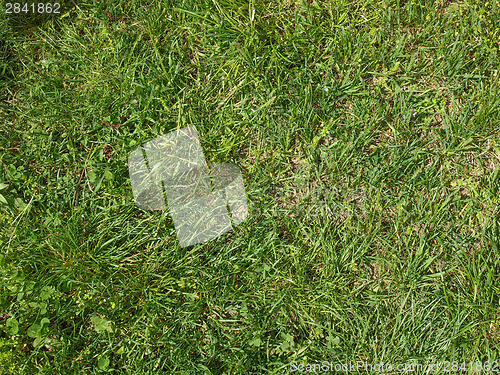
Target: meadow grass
367	133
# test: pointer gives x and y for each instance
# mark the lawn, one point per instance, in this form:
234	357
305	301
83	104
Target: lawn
368	137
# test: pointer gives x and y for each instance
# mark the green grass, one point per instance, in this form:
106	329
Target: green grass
368	134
